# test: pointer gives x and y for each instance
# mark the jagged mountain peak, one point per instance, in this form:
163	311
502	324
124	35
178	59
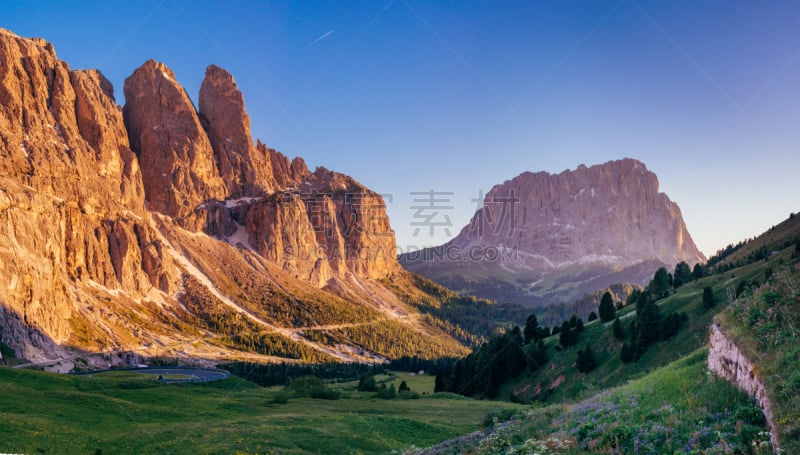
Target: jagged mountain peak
246	169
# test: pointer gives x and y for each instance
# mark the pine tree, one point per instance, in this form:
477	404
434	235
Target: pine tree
564	336
532	330
576	323
438	384
515	356
633	297
660	284
648	318
537	357
698	272
592	316
586	361
626	353
606	308
683	274
708	297
403	387
619	332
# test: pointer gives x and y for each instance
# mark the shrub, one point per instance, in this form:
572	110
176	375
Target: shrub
367	383
386	393
281	397
313	387
496	416
750	415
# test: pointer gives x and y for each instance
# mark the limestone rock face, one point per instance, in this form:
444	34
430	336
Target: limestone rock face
287	173
605	220
613	209
166	134
72	216
726	360
246	169
330	226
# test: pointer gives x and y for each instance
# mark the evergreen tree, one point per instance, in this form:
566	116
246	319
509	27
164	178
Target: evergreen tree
606	308
633	297
660	284
682	275
708	297
619	332
537	357
386	393
576	323
586	361
592	316
367	383
671	324
457	384
564	336
438	384
403	387
626	354
698	272
646	329
532	330
515	356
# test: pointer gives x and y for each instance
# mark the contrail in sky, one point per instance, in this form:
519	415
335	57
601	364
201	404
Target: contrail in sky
324	35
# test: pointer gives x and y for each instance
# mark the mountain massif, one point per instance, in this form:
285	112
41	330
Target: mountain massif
543	238
159	229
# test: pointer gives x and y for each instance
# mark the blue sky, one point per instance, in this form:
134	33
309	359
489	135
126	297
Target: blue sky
411	96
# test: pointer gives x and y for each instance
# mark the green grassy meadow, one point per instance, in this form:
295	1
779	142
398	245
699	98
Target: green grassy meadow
680	408
122	412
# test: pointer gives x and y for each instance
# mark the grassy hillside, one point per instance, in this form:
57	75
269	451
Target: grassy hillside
677	409
130	413
765	324
669	366
564	382
776	238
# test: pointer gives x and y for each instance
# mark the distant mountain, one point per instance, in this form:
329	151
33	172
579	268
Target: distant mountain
161	230
545	238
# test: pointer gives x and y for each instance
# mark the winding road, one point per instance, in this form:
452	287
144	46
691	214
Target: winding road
186	374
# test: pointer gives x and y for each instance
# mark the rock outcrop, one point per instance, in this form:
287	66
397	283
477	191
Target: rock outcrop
607	220
246	169
166	134
727	361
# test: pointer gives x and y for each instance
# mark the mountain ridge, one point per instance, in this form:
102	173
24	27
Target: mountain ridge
601	224
161	230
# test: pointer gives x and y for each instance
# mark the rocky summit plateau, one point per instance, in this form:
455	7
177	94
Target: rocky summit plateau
161	230
542	238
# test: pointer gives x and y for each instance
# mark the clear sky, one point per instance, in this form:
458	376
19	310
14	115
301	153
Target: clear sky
411	96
